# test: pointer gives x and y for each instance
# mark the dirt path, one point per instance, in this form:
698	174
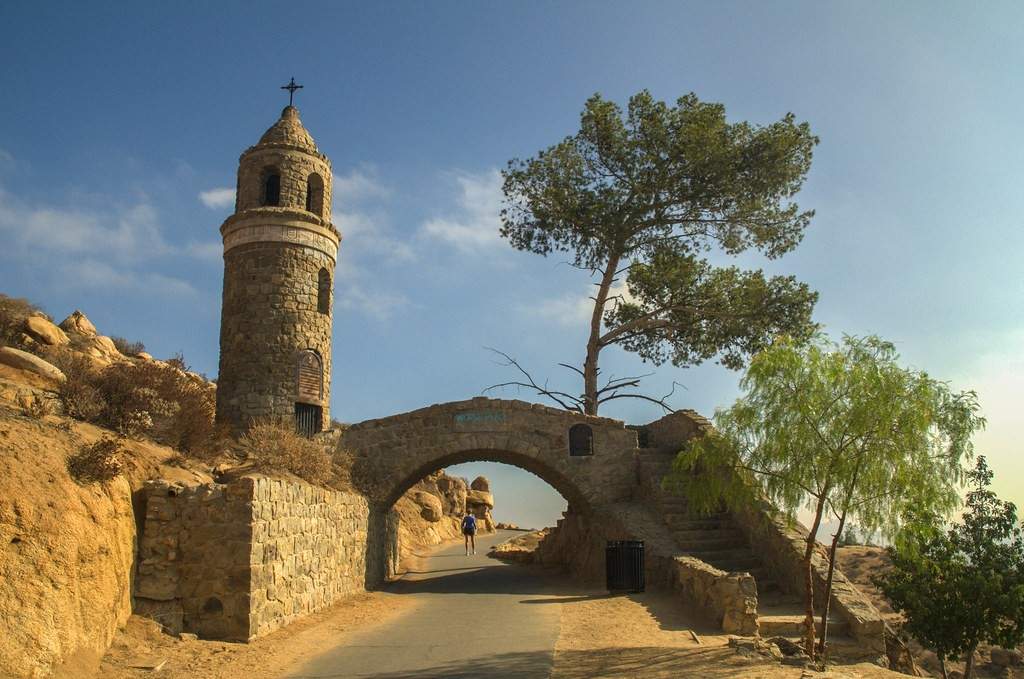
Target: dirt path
267	658
544	625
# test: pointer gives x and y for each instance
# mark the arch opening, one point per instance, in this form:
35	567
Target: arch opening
558	482
315	194
323	292
271	187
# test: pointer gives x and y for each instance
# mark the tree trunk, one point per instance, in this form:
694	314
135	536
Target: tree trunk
809	580
828	583
969	665
594	342
942	666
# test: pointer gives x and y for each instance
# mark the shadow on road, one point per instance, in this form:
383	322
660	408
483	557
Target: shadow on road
649	663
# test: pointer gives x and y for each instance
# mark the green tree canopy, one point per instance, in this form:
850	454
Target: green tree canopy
841	428
963	586
648	195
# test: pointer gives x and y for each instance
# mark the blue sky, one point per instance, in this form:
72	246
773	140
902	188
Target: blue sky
120	123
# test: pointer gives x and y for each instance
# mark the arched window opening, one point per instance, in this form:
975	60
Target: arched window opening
581	440
315	195
272	187
323	292
309	393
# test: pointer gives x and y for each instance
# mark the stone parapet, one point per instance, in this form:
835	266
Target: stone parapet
729	599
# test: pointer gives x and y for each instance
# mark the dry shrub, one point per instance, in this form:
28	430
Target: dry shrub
144	399
276	446
99	461
126	347
81	399
37	408
13	312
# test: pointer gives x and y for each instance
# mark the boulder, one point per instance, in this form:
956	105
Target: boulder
1006	657
481	483
453	495
142	355
22	360
430	505
480	497
78	324
42	330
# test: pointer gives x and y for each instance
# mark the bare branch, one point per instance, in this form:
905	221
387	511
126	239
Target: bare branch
570	402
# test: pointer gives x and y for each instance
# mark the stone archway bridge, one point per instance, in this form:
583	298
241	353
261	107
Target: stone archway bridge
240	559
393	453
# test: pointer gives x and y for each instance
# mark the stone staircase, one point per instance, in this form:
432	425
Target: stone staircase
716	540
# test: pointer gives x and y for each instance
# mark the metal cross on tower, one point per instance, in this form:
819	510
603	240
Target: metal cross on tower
291	87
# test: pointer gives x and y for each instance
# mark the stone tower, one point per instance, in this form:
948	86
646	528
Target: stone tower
280	249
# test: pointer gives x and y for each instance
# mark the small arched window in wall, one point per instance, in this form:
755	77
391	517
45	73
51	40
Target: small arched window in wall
323	292
309	394
315	195
271	187
581	440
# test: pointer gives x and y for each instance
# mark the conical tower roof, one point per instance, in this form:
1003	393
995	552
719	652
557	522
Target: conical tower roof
288	131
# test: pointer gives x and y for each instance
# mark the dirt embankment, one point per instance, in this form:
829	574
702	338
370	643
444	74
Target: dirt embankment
66	548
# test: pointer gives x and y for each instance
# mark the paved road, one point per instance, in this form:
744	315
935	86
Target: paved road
476	617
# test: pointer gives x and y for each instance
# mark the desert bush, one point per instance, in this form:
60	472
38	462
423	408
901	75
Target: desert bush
13	312
274	445
78	392
178	361
144	399
126	347
37	408
99	461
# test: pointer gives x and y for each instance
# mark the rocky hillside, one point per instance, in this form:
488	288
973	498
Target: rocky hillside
431	511
68	545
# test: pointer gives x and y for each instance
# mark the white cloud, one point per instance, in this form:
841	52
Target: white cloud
217	199
367	233
358	186
380	305
477	225
6	160
92	274
129	234
211	250
572	309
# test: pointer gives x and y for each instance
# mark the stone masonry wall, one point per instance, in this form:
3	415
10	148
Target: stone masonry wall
309	549
238	561
269	315
193	563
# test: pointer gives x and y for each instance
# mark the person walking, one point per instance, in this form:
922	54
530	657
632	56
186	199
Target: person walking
469	532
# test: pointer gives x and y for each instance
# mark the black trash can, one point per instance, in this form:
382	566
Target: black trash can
624	565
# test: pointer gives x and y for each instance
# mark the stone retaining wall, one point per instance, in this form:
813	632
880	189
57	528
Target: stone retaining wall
238	561
730	599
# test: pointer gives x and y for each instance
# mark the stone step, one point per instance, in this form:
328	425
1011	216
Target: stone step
767	585
697	536
738	565
686	521
732	553
719	547
793	626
